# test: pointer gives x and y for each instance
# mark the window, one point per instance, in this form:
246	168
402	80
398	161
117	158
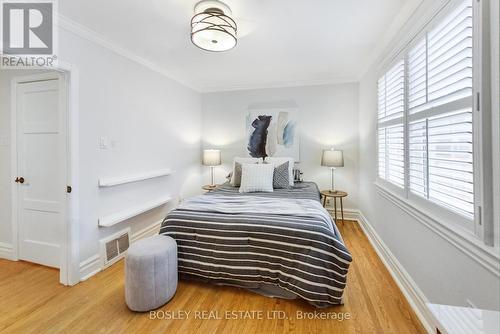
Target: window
440	113
435	112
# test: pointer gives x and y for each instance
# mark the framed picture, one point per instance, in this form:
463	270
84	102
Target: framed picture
273	133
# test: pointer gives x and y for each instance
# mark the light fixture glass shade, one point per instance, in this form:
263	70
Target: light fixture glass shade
332	158
212	28
211	158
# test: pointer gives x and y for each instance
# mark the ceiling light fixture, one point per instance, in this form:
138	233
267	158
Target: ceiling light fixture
212	28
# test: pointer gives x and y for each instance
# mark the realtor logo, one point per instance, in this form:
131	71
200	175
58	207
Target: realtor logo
27	30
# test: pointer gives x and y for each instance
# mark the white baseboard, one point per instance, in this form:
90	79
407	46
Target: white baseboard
146	232
6	251
408	287
349	214
90	267
93	264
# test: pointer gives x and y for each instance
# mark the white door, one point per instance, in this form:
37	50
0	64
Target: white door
41	170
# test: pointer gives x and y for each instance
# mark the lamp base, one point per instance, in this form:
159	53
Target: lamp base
332	189
212	183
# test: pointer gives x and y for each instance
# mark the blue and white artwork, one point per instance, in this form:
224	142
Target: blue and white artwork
272	133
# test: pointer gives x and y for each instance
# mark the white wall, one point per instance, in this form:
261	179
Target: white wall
327	117
154	122
444	273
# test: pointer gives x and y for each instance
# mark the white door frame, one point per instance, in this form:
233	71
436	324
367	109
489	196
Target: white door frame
69	263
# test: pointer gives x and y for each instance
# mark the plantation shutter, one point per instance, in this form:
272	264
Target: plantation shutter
440	128
440	65
451	161
395	155
418	157
391	92
381	153
417	75
450	56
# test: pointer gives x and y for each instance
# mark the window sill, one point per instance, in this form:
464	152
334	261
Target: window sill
488	257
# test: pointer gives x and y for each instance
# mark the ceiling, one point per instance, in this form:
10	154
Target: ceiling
281	42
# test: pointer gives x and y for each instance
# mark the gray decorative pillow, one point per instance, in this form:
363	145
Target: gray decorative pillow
237	174
281	176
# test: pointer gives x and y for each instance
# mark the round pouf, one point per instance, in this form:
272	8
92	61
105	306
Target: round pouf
150	273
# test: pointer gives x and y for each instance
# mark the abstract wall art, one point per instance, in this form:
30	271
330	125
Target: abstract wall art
272	133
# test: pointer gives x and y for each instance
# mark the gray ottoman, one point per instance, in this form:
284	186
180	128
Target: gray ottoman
150	273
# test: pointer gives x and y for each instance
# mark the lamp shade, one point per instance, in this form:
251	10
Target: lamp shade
332	158
211	157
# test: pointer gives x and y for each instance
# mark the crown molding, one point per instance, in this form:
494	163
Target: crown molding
94	37
278	84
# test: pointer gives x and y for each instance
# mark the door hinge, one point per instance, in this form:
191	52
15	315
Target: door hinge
478	101
69	189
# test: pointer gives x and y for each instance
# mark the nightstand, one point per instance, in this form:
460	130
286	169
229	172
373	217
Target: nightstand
209	187
336	194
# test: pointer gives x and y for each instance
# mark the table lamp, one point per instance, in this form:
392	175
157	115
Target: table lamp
332	158
211	158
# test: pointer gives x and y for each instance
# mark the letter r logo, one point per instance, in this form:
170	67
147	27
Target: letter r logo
27	28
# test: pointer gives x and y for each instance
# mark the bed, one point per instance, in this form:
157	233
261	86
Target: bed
281	244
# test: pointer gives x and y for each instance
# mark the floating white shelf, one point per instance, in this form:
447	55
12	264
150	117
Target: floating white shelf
114	181
121	216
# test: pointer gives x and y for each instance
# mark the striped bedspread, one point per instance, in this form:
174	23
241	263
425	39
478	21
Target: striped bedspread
250	241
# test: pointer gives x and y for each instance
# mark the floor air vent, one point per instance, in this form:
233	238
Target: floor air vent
123	243
113	248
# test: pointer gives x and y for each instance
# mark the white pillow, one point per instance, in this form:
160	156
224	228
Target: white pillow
280	160
256	177
242	161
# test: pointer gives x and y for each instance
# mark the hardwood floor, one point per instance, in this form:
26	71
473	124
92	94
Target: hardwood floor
31	301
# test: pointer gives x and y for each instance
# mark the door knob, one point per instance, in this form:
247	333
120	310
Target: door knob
21	180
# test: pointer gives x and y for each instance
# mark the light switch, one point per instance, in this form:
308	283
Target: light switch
103	143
